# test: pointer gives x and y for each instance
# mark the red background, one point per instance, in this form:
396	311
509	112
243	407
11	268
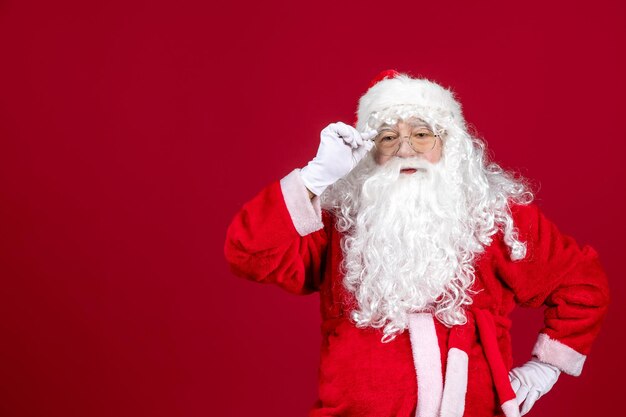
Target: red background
132	131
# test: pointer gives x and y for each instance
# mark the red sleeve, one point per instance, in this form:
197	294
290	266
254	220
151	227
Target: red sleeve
564	277
278	237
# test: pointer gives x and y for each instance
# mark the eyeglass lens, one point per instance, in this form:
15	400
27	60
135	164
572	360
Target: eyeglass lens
388	142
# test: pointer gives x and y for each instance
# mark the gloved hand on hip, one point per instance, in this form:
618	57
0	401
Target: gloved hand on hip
531	381
341	148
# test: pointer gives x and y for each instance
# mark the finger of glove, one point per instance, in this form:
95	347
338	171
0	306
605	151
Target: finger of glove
531	399
369	135
521	393
333	138
515	383
349	134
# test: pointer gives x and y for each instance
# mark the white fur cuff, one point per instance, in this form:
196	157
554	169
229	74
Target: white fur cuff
305	213
556	353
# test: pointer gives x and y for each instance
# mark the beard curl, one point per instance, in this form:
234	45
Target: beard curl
410	241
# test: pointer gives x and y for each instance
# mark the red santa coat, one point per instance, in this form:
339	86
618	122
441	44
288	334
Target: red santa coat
280	237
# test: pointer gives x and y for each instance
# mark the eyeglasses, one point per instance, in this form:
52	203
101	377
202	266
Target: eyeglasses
421	140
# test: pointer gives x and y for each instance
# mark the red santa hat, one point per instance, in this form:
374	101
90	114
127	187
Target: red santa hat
395	94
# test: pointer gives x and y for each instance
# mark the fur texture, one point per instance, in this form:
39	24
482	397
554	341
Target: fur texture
404	90
306	215
410	243
427	360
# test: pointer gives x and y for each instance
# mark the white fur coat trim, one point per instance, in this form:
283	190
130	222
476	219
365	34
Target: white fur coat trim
455	388
427	360
306	214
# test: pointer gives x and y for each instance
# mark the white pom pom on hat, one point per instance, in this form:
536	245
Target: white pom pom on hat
391	88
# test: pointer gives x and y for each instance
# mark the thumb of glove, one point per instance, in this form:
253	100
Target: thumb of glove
362	150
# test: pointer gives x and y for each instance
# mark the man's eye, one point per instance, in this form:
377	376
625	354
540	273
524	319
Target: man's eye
421	135
387	138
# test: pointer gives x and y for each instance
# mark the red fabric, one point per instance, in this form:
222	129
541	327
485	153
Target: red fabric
499	371
359	375
390	73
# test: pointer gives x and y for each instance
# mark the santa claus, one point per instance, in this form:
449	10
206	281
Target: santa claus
420	248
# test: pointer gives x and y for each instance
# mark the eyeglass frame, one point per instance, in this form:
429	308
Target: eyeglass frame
435	135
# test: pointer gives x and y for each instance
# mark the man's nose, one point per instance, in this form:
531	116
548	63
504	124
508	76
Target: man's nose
405	150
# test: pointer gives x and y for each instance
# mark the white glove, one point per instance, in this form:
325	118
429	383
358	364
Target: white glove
341	148
532	380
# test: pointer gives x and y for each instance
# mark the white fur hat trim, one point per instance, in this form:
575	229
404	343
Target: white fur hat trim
390	95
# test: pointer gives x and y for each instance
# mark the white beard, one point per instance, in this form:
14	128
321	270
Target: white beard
408	245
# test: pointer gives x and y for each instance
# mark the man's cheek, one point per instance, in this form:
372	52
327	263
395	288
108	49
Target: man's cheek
381	159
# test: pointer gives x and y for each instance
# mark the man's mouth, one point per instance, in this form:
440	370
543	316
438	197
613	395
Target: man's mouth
411	170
